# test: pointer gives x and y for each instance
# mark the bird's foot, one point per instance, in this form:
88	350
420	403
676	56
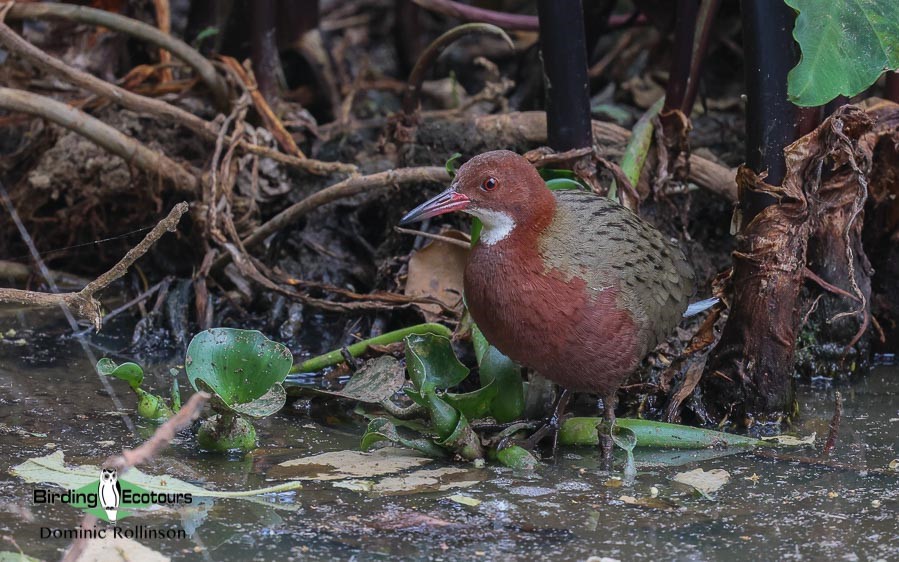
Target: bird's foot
605	437
606	447
550	427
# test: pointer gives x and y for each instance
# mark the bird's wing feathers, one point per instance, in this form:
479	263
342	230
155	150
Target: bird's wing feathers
607	244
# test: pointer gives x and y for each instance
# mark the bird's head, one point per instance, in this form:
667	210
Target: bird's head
501	188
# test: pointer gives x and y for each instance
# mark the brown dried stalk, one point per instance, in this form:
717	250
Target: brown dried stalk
83	303
102	134
83	14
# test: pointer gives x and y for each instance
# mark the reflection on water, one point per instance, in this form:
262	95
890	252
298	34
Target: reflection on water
50	399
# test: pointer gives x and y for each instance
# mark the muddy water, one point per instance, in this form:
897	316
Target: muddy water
51	399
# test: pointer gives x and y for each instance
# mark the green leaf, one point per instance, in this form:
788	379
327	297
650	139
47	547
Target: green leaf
382	429
243	367
517	458
223	433
132	373
377	380
444	417
846	45
451	164
560	184
432	364
475	404
637	148
497	369
7	556
584	431
152	407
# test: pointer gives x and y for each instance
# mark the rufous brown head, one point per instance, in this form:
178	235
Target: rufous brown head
501	188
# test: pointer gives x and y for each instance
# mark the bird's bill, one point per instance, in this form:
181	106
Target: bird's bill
447	202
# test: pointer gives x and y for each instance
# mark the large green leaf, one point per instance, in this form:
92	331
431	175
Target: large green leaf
243	367
498	370
432	364
382	429
846	45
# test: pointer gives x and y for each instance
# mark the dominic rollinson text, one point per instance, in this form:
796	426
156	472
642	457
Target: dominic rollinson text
138	532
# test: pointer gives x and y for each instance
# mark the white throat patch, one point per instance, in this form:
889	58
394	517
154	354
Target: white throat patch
497	225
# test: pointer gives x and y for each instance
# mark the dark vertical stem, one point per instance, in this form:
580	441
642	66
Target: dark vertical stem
892	86
704	20
564	51
679	77
264	47
771	120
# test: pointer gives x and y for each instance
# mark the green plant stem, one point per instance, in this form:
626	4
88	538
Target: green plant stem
583	431
335	357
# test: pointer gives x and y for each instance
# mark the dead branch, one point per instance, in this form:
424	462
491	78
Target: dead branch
154	107
83	14
83	303
161	439
271	120
834	430
346	188
102	134
515	22
427	58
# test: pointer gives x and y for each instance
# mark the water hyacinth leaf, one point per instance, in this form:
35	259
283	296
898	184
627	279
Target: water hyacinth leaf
377	380
517	458
240	366
152	407
497	369
557	179
132	373
626	439
846	45
382	429
584	431
444	417
475	404
265	405
463	441
432	364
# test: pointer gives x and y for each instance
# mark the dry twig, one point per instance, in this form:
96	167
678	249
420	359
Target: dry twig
102	134
146	452
83	14
83	303
154	107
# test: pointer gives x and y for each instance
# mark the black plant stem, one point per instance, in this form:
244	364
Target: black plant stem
679	77
772	122
705	19
564	51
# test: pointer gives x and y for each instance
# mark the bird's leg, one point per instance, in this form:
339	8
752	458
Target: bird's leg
551	425
605	439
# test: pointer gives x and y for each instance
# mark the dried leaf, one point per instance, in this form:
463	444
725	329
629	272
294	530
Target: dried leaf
704	482
436	270
339	465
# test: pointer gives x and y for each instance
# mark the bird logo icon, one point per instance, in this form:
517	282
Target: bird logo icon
109	492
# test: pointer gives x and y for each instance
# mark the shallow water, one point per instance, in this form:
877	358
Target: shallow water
571	511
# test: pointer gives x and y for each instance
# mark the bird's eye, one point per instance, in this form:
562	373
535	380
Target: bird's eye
489	184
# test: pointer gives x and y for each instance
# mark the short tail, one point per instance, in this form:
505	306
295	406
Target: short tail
700	306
